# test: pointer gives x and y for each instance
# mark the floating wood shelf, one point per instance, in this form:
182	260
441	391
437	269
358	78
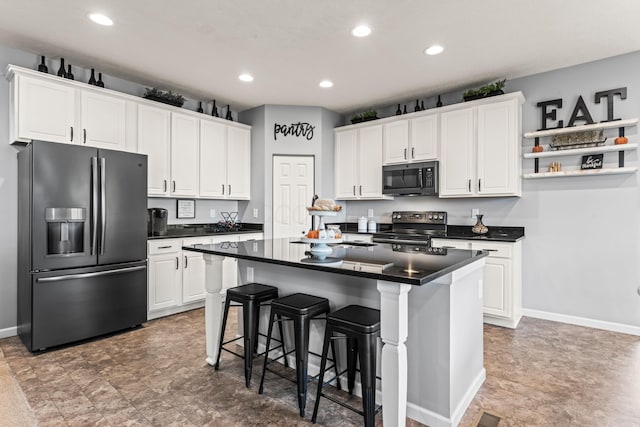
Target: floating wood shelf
561	174
582	128
580	151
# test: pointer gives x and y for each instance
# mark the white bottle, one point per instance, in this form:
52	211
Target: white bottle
362	225
372	226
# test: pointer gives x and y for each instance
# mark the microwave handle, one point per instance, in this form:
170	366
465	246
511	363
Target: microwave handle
420	178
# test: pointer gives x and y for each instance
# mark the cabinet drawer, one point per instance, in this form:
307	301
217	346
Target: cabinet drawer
205	240
496	249
357	237
445	243
163	246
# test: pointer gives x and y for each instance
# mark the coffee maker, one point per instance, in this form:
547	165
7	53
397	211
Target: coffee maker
157	221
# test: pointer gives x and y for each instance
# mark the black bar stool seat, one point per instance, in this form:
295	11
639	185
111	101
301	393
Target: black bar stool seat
250	297
301	308
361	326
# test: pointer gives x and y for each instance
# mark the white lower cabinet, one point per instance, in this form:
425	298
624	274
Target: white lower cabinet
177	278
357	237
502	280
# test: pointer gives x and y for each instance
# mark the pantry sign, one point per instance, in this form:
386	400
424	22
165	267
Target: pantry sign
298	130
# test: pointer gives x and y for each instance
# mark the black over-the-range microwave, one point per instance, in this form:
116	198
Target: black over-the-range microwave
411	179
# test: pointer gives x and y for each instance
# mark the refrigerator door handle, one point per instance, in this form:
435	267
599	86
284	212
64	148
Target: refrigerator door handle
94	205
88	275
103	204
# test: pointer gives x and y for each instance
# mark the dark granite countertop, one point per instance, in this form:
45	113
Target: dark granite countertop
175	231
382	261
497	234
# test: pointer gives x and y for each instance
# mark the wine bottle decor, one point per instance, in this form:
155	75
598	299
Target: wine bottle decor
398	111
61	71
422	106
69	74
200	110
43	67
405	109
417	107
100	83
439	103
92	79
214	110
229	116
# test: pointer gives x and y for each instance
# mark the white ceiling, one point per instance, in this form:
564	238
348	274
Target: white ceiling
199	47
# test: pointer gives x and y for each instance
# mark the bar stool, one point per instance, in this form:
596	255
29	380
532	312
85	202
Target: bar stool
361	326
301	309
250	297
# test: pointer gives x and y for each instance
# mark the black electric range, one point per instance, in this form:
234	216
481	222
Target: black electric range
411	231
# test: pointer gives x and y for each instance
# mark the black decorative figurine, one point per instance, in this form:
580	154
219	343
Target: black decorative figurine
42	67
398	111
92	79
69	74
61	71
199	110
229	116
214	109
439	103
100	83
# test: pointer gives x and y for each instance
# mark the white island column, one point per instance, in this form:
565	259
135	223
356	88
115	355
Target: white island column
213	305
394	329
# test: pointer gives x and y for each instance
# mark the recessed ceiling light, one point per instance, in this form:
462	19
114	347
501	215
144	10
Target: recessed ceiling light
326	83
246	77
434	50
101	19
361	31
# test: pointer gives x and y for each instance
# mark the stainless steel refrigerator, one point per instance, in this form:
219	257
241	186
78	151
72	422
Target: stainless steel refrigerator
82	230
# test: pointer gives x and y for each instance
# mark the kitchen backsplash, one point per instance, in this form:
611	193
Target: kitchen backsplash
204	209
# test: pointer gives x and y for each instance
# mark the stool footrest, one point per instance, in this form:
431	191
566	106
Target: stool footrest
346	405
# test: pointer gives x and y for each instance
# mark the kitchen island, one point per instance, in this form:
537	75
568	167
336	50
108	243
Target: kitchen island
431	313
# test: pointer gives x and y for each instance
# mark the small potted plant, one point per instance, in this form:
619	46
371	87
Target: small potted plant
492	89
164	96
356	118
369	115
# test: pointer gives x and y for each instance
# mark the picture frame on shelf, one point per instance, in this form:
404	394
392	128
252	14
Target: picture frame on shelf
592	161
186	208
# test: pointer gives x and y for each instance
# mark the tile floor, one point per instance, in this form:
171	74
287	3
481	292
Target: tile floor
542	374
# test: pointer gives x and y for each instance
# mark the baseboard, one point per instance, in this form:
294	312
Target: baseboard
583	321
433	419
8	332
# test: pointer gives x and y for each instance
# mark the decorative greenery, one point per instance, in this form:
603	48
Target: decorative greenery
367	115
165	96
485	90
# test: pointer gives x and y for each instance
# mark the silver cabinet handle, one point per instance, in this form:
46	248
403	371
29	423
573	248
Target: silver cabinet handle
469	186
174	186
413	152
71	133
229	190
185	262
177	263
223	189
354	190
164	185
489	250
405	154
84	136
164	247
88	275
479	184
103	203
361	190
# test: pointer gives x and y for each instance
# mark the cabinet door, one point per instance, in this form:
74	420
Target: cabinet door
184	155
496	289
238	163
213	159
370	162
424	138
345	164
457	155
153	140
193	277
103	120
165	281
498	142
46	111
396	142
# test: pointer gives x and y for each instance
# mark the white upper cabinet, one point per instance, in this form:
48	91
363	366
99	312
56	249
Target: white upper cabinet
153	140
103	120
412	140
48	108
42	110
480	149
184	155
358	163
225	161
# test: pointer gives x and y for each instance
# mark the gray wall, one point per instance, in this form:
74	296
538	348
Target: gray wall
8	178
582	246
264	146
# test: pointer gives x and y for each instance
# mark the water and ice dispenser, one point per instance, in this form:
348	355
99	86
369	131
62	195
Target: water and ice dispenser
65	230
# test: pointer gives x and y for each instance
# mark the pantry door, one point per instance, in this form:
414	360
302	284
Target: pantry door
293	190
